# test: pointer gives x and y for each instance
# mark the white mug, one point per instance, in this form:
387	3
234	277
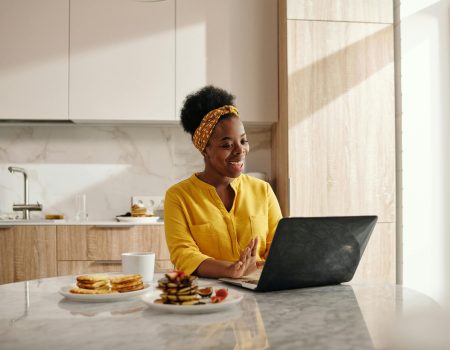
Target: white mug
139	262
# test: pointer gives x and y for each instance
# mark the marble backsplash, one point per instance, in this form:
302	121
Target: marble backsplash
107	163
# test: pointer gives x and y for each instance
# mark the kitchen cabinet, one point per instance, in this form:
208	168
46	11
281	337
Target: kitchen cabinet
36	251
95	249
6	254
122	60
27	252
334	146
231	44
34	60
367	11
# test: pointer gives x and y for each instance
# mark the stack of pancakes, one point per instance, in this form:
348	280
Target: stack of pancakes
92	284
138	210
126	283
179	289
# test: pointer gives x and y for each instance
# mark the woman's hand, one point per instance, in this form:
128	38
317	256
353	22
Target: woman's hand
247	261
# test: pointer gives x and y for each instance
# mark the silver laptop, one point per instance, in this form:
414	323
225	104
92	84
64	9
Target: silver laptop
307	252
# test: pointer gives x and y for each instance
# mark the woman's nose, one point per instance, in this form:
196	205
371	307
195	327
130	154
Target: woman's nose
239	149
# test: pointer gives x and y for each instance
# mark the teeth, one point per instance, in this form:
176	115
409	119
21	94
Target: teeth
237	163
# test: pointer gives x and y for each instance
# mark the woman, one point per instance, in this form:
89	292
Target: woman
219	222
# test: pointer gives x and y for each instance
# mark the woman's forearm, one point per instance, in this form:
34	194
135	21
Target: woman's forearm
213	268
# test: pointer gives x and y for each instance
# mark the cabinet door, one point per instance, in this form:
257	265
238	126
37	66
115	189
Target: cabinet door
110	243
85	249
231	44
71	242
341	119
34	59
6	254
122	60
34	252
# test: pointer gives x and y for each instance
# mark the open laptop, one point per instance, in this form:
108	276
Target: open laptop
307	252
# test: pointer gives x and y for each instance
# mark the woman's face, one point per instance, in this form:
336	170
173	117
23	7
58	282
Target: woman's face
227	148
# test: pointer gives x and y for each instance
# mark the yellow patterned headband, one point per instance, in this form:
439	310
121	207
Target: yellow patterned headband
206	127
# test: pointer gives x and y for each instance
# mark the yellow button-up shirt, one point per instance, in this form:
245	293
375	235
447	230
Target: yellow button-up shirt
198	226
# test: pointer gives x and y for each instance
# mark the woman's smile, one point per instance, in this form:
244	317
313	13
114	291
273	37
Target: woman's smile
237	166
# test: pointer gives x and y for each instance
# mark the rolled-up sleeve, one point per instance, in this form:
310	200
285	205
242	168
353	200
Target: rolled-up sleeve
184	252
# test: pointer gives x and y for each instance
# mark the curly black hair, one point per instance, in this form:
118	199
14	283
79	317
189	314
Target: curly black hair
199	103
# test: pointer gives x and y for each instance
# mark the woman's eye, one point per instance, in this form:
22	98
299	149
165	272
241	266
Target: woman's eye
244	142
228	145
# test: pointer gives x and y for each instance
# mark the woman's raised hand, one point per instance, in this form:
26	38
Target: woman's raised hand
247	261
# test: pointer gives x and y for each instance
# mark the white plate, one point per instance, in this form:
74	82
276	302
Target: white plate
138	220
231	300
102	298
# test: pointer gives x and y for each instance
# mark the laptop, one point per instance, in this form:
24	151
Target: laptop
308	252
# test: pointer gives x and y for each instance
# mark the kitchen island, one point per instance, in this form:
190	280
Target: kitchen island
33	315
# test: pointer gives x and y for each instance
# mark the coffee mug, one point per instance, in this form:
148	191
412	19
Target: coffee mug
139	262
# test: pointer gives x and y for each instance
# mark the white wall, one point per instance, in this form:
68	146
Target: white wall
425	135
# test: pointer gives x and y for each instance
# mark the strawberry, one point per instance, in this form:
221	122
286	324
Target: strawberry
223	293
220	295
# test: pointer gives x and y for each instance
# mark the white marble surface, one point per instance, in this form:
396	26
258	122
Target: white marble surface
34	316
105	223
107	163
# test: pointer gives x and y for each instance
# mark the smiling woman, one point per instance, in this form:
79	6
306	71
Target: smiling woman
210	217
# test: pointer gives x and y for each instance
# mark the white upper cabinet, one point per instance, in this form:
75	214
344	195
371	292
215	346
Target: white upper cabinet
231	44
122	59
34	59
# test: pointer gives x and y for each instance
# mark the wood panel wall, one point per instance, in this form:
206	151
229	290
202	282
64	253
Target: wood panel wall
376	11
334	144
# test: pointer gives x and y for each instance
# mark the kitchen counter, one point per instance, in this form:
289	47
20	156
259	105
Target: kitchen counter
34	316
104	223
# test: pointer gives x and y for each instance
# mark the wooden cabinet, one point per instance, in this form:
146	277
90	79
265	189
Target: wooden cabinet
31	252
34	59
334	147
6	254
231	44
342	119
27	252
83	249
122	60
368	11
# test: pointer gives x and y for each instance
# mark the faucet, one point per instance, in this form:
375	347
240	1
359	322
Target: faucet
25	207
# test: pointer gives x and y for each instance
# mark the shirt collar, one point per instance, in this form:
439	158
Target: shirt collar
234	184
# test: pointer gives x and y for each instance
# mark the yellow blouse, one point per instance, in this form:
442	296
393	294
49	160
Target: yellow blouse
198	226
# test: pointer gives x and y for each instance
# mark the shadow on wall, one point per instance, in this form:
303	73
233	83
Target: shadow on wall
321	82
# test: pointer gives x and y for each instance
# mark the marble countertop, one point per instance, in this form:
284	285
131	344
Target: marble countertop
33	315
104	223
